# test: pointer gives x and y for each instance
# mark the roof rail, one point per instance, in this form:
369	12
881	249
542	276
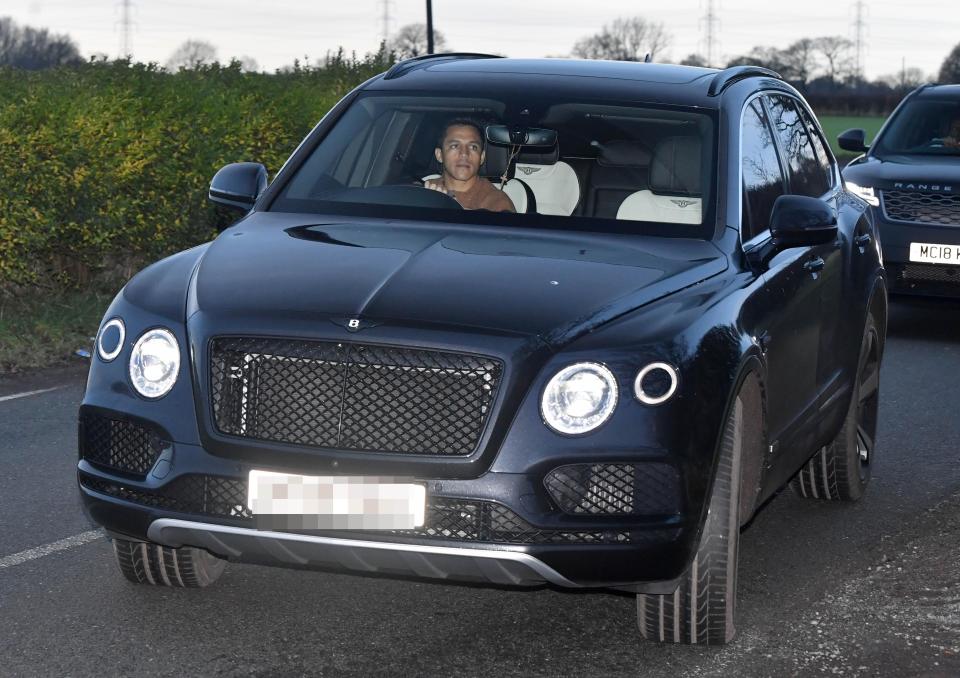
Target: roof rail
407	65
728	76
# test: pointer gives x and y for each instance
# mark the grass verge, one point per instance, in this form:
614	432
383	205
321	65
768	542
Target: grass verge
45	330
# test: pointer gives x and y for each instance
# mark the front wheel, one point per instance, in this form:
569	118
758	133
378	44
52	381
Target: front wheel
701	610
841	470
184	567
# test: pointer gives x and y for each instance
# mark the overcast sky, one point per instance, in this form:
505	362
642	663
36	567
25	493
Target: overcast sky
274	32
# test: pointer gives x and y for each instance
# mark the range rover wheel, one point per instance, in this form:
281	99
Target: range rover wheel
841	470
701	610
185	567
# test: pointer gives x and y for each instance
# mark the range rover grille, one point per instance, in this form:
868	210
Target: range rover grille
921	208
352	396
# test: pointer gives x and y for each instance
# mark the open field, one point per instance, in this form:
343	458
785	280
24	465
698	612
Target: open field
835	124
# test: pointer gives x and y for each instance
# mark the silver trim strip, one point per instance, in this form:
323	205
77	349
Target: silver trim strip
441	562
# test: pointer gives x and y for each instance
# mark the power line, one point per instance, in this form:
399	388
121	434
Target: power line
126	51
859	28
386	18
710	23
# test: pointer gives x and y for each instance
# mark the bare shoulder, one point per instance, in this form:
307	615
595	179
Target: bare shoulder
497	201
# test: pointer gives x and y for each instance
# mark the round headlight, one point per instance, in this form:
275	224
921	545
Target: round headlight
110	339
656	383
579	398
154	363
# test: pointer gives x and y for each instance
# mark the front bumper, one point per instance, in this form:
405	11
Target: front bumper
916	278
491	529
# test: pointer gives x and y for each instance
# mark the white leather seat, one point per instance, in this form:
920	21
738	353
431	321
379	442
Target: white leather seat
648	206
674	193
555	186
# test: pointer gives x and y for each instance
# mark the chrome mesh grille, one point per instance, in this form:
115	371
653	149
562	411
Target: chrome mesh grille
921	208
352	396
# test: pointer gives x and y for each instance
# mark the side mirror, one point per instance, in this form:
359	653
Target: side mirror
854	140
238	185
800	221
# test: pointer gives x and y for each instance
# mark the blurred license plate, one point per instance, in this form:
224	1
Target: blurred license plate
294	502
935	254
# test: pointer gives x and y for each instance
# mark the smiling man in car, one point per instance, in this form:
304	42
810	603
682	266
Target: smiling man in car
460	153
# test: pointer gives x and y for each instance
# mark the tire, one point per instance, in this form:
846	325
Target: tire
841	470
185	567
701	610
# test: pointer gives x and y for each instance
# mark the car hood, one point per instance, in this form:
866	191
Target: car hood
922	173
515	281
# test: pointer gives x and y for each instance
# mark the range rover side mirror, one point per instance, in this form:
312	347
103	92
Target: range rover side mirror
801	221
854	140
238	185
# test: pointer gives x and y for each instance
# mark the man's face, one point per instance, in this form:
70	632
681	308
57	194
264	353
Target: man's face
461	154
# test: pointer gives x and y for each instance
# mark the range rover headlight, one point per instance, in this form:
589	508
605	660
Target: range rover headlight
579	398
865	192
155	363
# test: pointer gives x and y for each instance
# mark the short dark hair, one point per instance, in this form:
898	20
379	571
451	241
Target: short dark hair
462	122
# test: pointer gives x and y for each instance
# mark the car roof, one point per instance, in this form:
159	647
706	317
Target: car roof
661	83
940	91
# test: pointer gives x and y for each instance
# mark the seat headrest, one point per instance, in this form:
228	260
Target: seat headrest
675	168
495	163
623	153
539	156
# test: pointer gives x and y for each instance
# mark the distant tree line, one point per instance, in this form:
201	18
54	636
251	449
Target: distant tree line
823	68
34	49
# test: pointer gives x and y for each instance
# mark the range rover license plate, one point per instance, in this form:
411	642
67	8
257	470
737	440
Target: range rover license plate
293	502
935	254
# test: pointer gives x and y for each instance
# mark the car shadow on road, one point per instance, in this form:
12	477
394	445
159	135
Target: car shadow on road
924	318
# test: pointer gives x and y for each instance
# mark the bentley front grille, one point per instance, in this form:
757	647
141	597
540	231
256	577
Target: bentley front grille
921	208
118	445
352	396
615	489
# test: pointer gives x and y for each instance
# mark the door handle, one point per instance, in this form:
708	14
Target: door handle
814	265
862	240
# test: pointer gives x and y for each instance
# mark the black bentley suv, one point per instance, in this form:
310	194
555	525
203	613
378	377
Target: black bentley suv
911	176
595	383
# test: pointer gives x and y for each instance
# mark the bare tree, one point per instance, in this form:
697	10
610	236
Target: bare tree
799	61
411	41
626	39
950	69
191	54
34	48
695	60
906	79
837	51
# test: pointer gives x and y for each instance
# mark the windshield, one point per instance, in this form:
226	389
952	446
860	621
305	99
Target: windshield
924	126
518	160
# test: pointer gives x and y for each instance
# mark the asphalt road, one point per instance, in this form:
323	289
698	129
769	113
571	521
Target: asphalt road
866	589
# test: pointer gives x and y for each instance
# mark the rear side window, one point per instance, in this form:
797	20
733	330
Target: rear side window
807	176
762	178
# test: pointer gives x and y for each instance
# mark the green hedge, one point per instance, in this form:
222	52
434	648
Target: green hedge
106	166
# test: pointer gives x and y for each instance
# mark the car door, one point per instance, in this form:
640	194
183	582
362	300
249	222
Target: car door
789	328
810	174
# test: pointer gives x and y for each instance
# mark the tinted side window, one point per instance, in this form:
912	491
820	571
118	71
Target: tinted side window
762	179
806	172
823	156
